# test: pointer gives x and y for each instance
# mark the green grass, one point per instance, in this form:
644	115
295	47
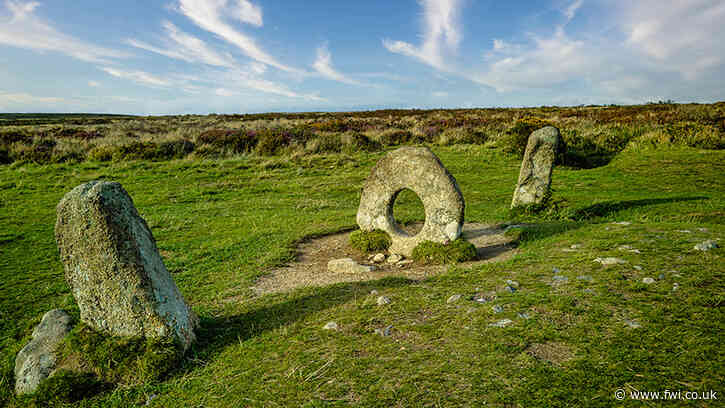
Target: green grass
222	224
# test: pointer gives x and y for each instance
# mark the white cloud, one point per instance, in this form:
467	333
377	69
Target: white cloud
323	65
649	51
137	76
442	34
27	99
24	29
686	36
570	11
248	78
182	46
247	12
94	84
224	92
210	15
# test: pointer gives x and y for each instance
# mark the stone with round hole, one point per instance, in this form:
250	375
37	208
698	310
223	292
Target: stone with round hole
417	169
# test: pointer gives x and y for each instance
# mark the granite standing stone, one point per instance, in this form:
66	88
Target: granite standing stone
114	269
535	177
37	360
417	169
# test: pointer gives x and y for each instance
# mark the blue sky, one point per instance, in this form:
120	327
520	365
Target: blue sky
238	56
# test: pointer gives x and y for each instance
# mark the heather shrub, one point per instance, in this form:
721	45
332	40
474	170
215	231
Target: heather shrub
394	137
515	138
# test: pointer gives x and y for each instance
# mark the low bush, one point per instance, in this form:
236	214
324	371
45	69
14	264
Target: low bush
369	241
234	141
459	250
515	138
394	137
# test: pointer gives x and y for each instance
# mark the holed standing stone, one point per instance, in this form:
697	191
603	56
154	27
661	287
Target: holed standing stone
535	177
417	169
114	269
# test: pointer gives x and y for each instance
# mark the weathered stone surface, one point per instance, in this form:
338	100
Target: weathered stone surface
35	362
417	169
535	175
706	246
348	265
114	268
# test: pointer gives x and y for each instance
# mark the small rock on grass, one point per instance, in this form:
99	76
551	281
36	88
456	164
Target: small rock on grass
632	323
374	292
378	258
585	278
524	316
501	323
675	286
648	280
622	223
637	267
384	332
330	326
512	283
706	245
383	300
395	258
453	298
560	279
404	263
610	261
348	265
497	309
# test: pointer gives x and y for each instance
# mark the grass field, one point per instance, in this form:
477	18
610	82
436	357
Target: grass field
221	223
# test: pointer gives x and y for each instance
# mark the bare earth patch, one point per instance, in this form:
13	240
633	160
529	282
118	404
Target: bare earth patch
552	352
310	268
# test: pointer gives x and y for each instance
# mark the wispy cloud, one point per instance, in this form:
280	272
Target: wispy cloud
210	15
323	65
570	11
186	47
441	36
137	76
231	82
23	98
23	29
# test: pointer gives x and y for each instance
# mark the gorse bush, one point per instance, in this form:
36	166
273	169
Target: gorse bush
459	250
593	134
515	138
369	241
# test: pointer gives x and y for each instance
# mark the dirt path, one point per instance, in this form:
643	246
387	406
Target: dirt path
310	269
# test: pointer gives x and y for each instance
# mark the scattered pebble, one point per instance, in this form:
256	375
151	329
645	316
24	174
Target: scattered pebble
330	326
587	290
610	261
661	276
404	263
675	286
378	258
524	315
637	267
560	279
150	398
374	292
555	270
576	246
586	278
622	223
509	289
629	248
702	229
395	258
484	298
706	246
384	332
633	324
512	283
497	309
648	280
513	226
383	300
453	298
501	323
685	231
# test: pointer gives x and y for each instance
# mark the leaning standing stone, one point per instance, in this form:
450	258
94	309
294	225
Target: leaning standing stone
114	268
535	176
37	359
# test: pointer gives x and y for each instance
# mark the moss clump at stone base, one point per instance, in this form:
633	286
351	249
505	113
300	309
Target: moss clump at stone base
67	386
429	252
118	360
369	241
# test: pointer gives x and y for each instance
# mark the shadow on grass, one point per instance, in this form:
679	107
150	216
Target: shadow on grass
216	333
610	207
